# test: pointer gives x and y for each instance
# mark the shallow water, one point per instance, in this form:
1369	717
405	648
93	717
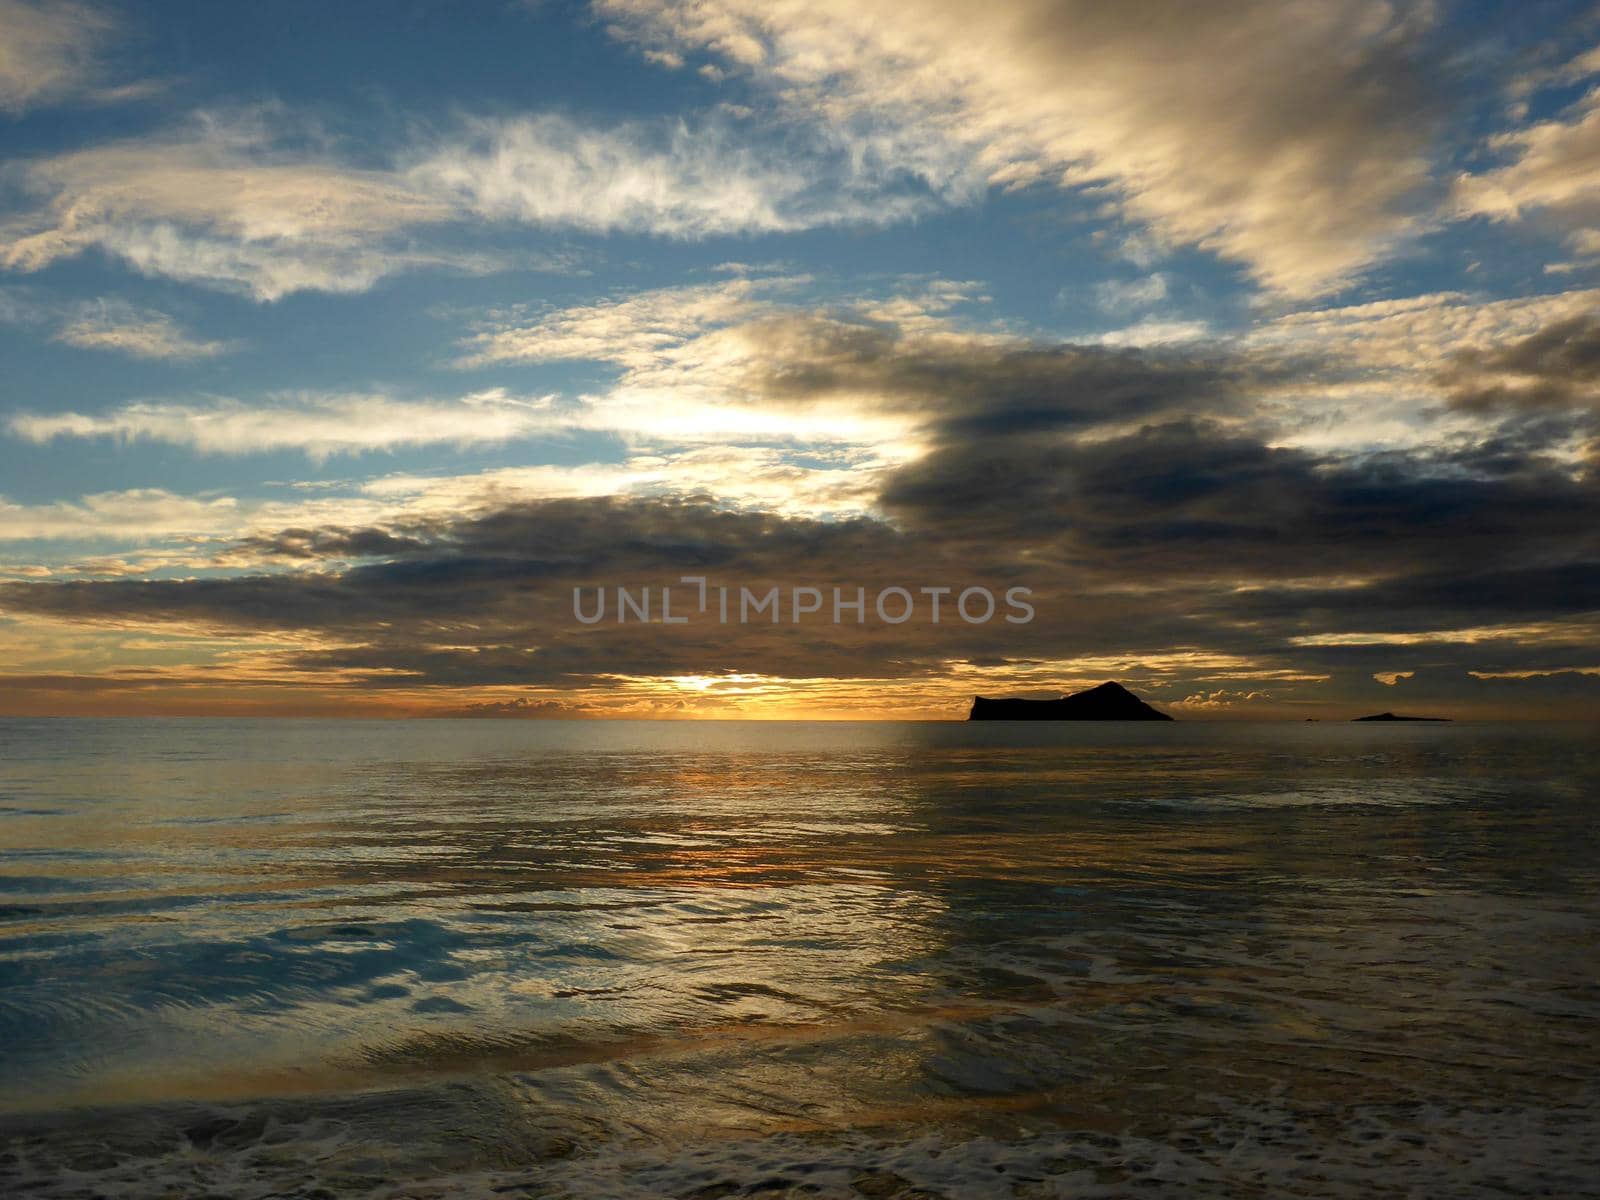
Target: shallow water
323	958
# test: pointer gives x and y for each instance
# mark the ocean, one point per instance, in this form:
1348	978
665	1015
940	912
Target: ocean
335	959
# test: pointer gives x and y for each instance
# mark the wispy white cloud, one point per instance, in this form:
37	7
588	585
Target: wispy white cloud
813	481
1415	334
47	50
1553	172
143	333
1569	71
631	330
136	515
668	179
1121	296
700	403
108	323
1290	138
742	365
258	203
1157	331
227	203
1380	382
200	529
318	425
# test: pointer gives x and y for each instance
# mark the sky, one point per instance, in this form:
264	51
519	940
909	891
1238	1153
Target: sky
1253	346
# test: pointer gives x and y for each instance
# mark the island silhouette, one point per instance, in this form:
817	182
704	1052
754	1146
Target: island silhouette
1389	716
1108	702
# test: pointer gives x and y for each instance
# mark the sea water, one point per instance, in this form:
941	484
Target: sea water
518	958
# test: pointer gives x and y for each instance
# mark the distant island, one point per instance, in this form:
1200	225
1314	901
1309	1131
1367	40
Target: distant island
1388	716
1108	702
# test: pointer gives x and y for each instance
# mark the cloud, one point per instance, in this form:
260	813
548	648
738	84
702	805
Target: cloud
1200	500
1377	375
1122	296
259	202
1292	139
137	515
973	384
143	333
1154	331
1180	574
109	324
199	529
318	425
1554	171
1572	70
1222	699
1557	693
524	708
1298	144
736	361
727	362
791	480
47	51
233	203
485	599
1187	545
1145	494
664	179
1415	333
1557	367
632	331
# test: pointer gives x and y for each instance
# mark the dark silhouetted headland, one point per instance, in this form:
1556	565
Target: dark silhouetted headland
1388	716
1108	702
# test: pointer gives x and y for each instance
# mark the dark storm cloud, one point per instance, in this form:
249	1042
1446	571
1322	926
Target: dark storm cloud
1189	498
458	614
1463	596
1125	487
262	601
980	388
1133	546
486	564
577	537
334	543
1557	367
487	598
